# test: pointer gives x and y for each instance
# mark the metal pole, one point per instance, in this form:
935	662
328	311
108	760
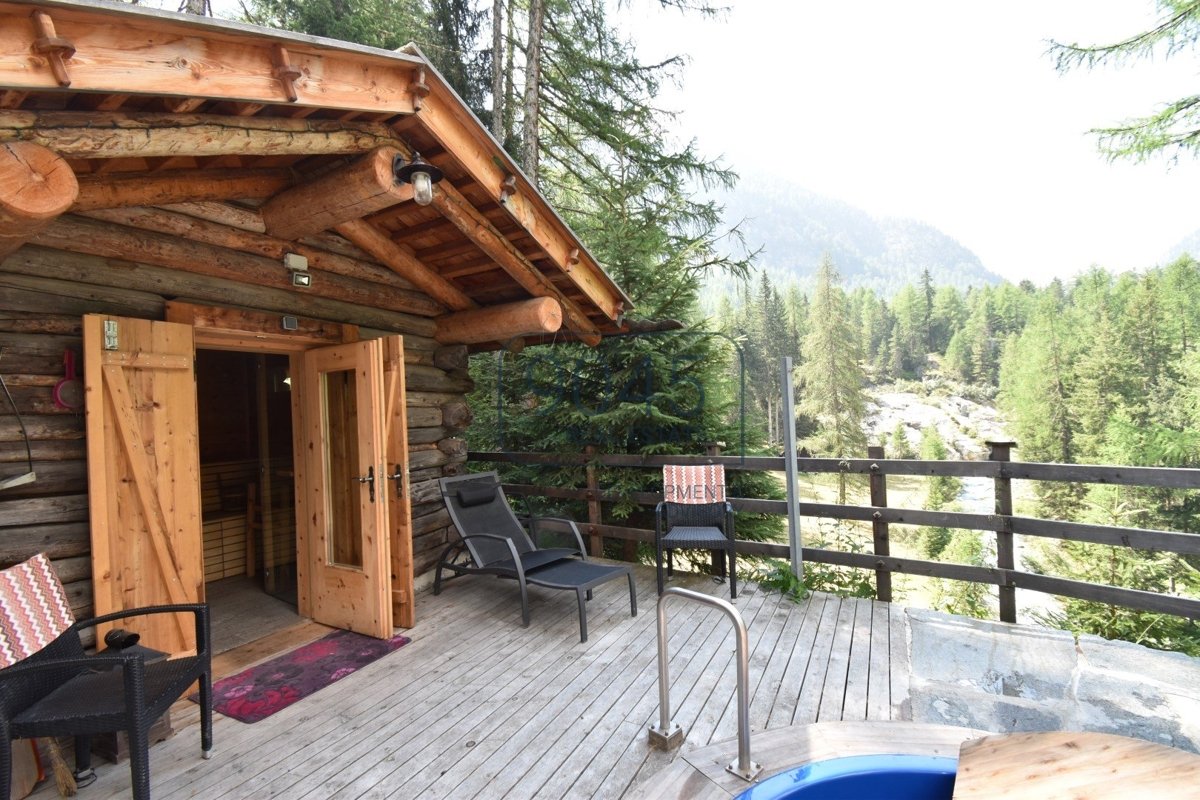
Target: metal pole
789	458
667	735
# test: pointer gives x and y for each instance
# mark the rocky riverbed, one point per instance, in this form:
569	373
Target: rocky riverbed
964	424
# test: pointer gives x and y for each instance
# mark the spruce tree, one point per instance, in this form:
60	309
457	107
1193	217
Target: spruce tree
832	380
1035	394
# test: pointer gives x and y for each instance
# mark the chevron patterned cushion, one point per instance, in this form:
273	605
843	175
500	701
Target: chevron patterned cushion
694	484
33	609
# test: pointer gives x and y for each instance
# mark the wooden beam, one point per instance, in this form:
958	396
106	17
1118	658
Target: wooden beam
221	235
196	57
244	219
540	315
80	235
468	219
164	188
358	190
230	327
400	259
35	187
146	135
457	133
44	270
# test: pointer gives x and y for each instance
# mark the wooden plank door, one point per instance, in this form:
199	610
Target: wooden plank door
400	506
346	502
144	473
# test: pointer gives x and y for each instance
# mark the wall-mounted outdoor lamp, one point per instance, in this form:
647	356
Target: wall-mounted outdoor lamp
298	266
421	174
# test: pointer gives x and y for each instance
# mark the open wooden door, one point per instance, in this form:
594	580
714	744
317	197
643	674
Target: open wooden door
347	497
400	505
144	473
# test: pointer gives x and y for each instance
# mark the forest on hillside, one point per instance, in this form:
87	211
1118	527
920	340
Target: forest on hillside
1104	369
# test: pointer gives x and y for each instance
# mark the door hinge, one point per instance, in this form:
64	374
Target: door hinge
110	334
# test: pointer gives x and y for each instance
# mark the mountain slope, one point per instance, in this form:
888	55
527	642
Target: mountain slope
796	227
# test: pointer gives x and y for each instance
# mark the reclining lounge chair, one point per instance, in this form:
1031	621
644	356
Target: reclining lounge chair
494	542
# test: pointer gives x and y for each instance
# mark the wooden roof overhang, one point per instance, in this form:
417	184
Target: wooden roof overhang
187	135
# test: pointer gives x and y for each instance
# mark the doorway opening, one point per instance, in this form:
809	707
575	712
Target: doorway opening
248	498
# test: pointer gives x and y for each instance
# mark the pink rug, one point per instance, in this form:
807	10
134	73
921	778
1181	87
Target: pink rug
274	685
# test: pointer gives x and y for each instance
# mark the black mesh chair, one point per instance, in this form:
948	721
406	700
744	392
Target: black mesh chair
494	542
61	691
694	515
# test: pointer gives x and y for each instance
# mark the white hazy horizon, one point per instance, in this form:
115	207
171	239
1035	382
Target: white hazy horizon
943	111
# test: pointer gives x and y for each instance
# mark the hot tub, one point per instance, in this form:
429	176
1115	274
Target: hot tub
894	777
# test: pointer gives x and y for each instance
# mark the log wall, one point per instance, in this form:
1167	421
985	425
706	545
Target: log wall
46	287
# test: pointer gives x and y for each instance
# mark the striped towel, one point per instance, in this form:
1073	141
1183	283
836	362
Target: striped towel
694	485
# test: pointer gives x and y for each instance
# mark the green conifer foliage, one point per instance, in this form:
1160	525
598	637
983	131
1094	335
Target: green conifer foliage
1174	129
832	379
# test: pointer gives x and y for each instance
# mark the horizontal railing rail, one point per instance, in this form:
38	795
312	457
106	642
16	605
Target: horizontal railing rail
1004	525
1160	477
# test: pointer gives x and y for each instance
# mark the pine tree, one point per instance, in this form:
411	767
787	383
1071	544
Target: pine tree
387	24
1179	288
943	489
927	295
831	377
607	164
909	333
1103	383
949	317
1034	392
901	447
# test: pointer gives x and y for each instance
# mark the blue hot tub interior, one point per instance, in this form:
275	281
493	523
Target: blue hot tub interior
894	777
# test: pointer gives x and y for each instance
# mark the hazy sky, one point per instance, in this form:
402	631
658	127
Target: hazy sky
947	111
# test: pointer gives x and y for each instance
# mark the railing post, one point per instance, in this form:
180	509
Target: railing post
1005	554
716	557
879	526
790	468
595	517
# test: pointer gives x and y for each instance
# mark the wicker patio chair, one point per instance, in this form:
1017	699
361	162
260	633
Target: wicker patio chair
494	542
694	515
50	687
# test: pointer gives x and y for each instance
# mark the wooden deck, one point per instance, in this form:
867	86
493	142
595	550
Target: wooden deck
477	706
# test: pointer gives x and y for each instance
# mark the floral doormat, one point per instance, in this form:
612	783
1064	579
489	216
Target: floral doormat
274	685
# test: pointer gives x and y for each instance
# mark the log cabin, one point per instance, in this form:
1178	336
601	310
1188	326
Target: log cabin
240	274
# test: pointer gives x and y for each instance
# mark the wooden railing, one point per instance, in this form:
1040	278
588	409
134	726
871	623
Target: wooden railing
1003	522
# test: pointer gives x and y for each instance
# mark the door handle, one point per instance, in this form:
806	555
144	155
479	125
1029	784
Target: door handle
369	481
398	477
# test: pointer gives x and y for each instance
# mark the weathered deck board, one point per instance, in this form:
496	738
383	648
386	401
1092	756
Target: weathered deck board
879	690
477	706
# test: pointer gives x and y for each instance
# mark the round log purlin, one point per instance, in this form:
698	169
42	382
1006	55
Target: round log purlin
350	193
36	185
498	323
141	189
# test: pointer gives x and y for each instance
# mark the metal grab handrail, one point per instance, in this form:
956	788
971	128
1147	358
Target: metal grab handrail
667	735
